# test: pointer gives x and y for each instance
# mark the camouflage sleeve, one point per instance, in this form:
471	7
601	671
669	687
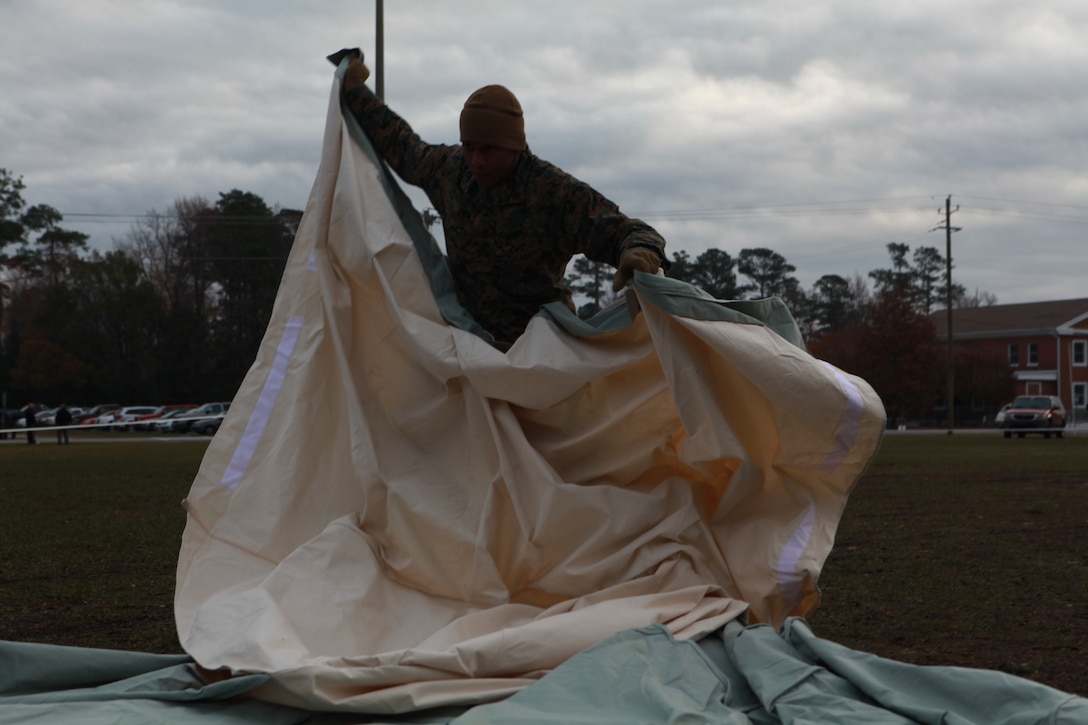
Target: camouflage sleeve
414	160
606	232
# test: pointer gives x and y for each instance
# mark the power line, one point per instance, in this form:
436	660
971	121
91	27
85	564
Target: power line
815	208
1010	214
1023	201
848	207
235	219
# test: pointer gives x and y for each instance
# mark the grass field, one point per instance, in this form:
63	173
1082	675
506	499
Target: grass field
966	550
90	535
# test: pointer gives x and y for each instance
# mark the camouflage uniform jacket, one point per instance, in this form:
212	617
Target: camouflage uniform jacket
507	245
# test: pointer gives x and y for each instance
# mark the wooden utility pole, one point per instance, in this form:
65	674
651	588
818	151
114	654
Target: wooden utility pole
948	229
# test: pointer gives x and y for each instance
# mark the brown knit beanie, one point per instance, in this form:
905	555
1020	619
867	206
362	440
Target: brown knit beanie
492	115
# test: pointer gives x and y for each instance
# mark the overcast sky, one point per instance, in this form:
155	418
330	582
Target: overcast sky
822	130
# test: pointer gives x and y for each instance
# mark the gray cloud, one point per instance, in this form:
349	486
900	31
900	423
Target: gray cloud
823	131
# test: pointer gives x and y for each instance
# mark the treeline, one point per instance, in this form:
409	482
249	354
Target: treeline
832	303
174	314
880	331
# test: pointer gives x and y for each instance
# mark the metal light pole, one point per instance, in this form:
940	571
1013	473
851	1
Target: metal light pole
379	50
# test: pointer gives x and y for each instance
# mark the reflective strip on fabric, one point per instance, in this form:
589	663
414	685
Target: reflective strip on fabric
243	454
851	422
788	580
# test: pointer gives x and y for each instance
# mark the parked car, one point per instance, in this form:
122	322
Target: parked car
199	419
7	419
103	421
147	421
89	416
209	426
1034	414
123	418
1000	417
39	413
165	422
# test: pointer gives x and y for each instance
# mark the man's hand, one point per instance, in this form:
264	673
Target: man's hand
640	258
357	72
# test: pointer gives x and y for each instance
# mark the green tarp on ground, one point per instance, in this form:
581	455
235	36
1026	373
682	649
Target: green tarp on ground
735	676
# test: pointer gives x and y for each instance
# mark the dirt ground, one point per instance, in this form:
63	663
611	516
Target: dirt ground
981	571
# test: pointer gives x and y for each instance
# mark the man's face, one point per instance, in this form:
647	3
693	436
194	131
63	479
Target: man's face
489	164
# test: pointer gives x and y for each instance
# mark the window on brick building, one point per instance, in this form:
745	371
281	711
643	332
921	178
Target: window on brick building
1080	353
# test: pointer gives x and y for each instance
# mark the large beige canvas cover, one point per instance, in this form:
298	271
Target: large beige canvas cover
396	515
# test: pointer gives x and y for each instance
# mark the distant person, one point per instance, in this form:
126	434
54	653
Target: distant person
31	421
64	418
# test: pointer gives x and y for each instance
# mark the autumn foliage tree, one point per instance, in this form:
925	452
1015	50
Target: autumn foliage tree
43	365
894	347
174	315
980	378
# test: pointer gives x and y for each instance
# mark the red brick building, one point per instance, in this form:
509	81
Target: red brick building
1046	344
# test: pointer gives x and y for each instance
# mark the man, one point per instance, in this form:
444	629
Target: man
62	419
512	221
31	421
